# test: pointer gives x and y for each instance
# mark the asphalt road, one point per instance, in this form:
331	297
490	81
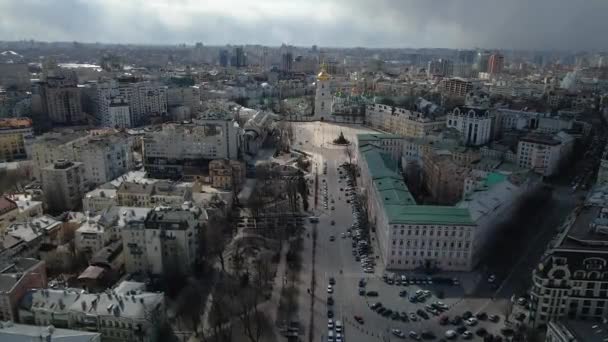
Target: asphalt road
333	256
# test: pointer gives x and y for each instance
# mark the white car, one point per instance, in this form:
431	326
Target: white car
330	289
450	334
471	321
330	323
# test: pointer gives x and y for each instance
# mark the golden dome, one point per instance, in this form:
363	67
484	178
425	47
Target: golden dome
323	76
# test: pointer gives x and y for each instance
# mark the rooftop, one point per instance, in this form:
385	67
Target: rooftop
399	204
13	332
15	123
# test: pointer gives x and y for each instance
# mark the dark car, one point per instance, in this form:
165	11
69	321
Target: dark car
507	331
481	332
395	316
381	310
403	317
387	313
332	281
330	301
494	318
402	293
330	314
362	283
461	330
428	335
467	314
443	320
359	319
520	316
372	293
361	292
422	314
482	316
457	320
376	305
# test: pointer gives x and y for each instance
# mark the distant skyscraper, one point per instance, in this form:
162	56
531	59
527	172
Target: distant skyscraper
481	61
496	63
287	62
466	56
440	67
224	58
61	99
239	59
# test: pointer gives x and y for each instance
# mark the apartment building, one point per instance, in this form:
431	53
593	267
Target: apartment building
17	276
146	195
227	174
105	158
544	153
167	240
456	87
53	146
125	313
62	99
571	281
402	121
95	232
474	125
16	134
63	185
174	148
18	207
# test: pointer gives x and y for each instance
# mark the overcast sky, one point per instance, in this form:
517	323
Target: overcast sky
520	24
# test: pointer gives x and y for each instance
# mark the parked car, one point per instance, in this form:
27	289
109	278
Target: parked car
372	293
414	335
398	333
494	318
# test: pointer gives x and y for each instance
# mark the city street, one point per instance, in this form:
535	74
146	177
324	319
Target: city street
513	268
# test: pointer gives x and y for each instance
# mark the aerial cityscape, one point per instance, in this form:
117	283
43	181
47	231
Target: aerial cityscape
303	171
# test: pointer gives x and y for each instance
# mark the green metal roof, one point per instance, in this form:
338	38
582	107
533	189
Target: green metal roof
428	214
494	178
398	202
376	136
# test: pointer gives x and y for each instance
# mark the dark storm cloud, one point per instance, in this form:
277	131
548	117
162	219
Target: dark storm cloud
525	24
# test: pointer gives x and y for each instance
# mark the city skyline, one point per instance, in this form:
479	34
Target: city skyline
541	25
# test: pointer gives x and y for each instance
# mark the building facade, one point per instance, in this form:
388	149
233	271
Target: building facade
456	87
16	278
227	174
474	125
571	281
412	236
62	100
63	185
402	121
167	240
175	147
16	134
125	313
544	153
105	158
323	95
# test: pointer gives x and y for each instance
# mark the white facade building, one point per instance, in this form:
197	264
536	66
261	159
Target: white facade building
105	158
544	153
166	151
119	114
474	125
167	240
402	121
126	313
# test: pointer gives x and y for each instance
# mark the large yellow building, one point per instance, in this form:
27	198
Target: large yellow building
14	136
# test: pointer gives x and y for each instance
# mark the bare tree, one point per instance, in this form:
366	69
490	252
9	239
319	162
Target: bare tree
214	239
348	151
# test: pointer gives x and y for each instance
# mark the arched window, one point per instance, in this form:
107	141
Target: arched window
579	275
